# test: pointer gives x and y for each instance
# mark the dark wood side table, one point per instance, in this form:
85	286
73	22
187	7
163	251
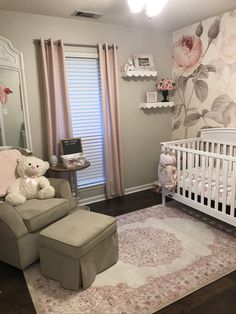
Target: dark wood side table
60	168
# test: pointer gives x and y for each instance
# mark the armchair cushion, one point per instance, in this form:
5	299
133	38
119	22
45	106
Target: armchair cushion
37	214
8	163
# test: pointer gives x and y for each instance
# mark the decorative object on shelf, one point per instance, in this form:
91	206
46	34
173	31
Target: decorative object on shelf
151	97
53	160
164	86
139	65
4	92
143	62
165	94
129	66
149	105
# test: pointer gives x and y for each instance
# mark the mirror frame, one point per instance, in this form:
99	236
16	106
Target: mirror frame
12	59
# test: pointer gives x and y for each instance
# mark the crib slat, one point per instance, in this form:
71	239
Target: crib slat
201	145
178	171
197	145
232	203
217	184
190	172
225	185
224	149
210	173
230	154
184	173
196	177
203	162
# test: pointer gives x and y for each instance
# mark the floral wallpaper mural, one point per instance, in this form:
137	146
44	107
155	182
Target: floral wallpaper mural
204	70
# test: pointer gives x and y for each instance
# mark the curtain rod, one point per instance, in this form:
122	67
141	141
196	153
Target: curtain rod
37	41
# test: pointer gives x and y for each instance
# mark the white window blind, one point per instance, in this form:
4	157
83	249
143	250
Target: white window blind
84	87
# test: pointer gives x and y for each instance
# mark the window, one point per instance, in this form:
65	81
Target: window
84	87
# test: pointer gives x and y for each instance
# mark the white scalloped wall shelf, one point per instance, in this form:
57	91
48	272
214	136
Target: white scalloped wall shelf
141	73
160	104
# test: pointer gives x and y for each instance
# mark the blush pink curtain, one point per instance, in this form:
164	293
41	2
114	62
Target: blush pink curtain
111	115
56	101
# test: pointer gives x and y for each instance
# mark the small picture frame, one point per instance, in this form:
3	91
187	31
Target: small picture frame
71	146
151	96
143	62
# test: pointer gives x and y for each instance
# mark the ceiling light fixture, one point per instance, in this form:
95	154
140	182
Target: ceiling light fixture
152	7
136	6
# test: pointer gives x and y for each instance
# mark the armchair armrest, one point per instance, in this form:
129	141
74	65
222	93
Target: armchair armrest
10	216
63	190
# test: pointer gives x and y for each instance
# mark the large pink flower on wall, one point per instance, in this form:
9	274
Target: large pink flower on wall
192	82
187	52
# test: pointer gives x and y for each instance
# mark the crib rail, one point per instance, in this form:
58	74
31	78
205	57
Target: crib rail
211	146
206	175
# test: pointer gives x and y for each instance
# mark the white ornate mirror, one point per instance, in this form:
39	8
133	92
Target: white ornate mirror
14	118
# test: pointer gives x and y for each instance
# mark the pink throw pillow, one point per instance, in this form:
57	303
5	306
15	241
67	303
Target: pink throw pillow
8	163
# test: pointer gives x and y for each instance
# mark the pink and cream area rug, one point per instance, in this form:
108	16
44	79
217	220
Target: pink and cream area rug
165	254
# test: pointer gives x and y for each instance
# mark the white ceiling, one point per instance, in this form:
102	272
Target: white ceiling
176	14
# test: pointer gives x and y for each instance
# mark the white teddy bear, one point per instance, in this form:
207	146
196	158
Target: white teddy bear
31	182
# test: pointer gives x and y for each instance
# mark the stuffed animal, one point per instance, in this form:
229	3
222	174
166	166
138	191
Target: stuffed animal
167	170
31	182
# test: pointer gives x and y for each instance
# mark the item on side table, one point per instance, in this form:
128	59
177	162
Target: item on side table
31	182
72	161
53	160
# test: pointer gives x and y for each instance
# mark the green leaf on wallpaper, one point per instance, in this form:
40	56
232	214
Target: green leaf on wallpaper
199	29
226	114
215	115
211	68
192	109
176	125
214	29
200	72
181	82
201	90
178	110
204	112
191	119
220	103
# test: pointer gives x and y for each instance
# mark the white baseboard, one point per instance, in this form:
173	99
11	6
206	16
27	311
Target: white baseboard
101	197
92	199
138	188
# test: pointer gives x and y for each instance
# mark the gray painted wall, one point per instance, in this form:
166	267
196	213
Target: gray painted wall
141	131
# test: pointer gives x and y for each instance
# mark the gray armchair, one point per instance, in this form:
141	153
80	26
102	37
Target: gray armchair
20	225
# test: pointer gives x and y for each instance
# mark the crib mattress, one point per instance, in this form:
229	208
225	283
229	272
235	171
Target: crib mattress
197	180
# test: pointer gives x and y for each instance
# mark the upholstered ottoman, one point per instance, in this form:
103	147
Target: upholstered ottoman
76	248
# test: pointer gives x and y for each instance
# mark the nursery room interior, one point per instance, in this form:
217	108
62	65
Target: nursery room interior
117	156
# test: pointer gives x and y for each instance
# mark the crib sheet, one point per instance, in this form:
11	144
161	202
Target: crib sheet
197	187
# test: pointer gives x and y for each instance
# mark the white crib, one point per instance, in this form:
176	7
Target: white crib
206	173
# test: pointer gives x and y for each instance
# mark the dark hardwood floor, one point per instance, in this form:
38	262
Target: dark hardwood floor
216	298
